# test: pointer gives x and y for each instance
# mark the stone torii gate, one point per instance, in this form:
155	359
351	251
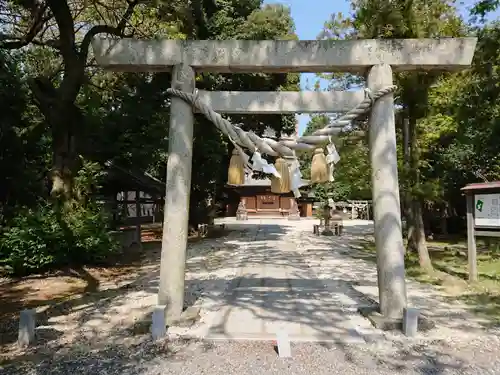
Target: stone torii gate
378	58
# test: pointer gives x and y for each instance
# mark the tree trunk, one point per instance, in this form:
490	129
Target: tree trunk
64	118
63	162
407	198
419	237
416	232
410	224
411	163
444	220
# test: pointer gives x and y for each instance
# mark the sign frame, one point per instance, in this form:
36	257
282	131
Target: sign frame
487	210
483	199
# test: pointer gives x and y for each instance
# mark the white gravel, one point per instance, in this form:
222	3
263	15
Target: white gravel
259	358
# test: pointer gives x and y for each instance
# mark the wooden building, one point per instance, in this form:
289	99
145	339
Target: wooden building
260	201
134	197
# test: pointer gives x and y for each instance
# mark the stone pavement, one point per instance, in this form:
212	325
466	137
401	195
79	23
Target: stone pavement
277	289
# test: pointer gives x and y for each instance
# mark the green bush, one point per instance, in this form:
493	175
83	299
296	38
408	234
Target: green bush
90	234
51	236
31	241
40	239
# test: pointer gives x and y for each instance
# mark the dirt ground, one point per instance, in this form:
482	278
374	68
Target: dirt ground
55	293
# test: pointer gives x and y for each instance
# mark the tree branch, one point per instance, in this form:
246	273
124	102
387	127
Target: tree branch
54	44
39	19
64	19
106	29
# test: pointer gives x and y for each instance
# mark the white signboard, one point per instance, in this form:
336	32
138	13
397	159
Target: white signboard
487	210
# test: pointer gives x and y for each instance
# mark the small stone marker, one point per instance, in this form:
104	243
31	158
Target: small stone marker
410	321
283	343
159	324
27	322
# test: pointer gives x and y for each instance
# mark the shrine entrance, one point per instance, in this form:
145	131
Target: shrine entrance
376	59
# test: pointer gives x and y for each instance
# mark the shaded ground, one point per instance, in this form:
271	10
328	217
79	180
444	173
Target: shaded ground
277	289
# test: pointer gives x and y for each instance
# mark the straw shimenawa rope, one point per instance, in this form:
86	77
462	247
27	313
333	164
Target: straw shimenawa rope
283	147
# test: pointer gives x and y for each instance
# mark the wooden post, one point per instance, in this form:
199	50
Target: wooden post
471	238
178	186
138	215
153	207
386	206
115	212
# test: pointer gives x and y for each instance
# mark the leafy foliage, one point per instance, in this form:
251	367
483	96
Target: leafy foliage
39	239
43	237
460	136
482	7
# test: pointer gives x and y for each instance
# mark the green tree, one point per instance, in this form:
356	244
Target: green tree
483	7
462	129
22	143
95	113
63	31
405	19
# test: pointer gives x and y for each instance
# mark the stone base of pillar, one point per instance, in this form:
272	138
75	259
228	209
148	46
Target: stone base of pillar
159	323
372	313
327	232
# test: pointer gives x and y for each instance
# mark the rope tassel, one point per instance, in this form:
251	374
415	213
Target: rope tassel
281	185
236	171
319	167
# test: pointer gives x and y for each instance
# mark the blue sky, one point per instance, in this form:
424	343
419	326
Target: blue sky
309	17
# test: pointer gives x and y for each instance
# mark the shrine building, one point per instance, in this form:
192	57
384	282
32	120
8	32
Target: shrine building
260	201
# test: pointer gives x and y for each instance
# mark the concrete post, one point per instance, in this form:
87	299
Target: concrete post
27	323
178	186
386	202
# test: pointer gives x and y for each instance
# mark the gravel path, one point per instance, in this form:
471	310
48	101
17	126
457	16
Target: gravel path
110	335
259	358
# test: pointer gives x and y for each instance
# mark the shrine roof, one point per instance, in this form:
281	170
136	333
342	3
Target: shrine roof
250	181
482	186
118	178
